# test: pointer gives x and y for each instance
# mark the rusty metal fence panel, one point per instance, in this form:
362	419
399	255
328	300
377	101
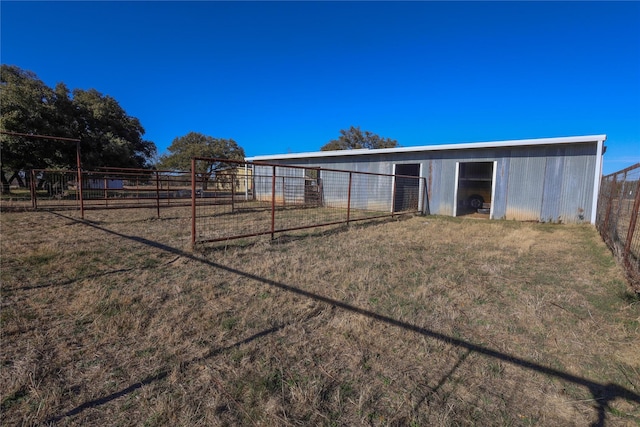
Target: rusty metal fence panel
264	199
617	218
135	188
53	188
46	186
107	188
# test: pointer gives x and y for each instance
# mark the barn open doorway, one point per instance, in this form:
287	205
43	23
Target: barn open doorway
474	190
312	187
407	190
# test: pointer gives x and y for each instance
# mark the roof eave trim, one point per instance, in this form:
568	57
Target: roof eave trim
444	147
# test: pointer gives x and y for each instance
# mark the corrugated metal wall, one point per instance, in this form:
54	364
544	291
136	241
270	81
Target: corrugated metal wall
525	185
552	183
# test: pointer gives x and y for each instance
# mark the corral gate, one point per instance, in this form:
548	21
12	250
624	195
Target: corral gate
264	198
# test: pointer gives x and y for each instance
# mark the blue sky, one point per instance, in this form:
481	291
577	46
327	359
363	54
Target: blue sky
284	77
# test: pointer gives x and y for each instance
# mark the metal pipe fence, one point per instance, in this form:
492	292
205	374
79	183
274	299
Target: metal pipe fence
107	188
617	219
264	199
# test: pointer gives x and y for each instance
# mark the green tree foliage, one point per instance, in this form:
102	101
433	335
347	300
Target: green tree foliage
28	106
109	137
195	144
354	138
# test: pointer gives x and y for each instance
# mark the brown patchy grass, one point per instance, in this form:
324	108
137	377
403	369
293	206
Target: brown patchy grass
428	321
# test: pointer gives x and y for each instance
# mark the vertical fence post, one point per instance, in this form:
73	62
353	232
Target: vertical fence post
349	198
253	183
80	194
193	203
79	166
32	188
233	193
605	225
422	192
618	213
158	193
284	194
168	193
106	191
246	183
632	224
393	196
273	202
168	190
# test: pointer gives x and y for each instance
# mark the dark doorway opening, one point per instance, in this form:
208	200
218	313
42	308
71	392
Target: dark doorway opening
312	188
475	185
407	190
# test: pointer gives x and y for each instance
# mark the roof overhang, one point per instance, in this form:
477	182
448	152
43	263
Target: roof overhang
461	146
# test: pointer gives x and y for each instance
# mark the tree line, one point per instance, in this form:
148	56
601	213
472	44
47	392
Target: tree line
109	136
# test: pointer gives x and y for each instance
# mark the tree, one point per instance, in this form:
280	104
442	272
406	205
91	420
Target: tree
195	144
110	137
354	138
27	107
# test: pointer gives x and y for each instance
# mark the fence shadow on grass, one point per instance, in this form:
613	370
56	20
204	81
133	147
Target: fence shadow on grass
68	281
602	394
157	377
87	277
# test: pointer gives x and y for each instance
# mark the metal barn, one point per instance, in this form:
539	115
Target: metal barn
546	180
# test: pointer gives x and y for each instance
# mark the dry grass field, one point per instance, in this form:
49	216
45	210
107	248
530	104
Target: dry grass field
428	321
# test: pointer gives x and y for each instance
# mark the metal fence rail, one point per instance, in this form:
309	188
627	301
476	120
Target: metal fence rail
617	219
264	199
107	188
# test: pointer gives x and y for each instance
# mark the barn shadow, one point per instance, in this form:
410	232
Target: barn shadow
602	394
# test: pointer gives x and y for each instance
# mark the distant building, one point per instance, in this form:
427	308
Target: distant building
102	184
236	179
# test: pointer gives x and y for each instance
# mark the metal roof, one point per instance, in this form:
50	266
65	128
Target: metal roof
461	146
